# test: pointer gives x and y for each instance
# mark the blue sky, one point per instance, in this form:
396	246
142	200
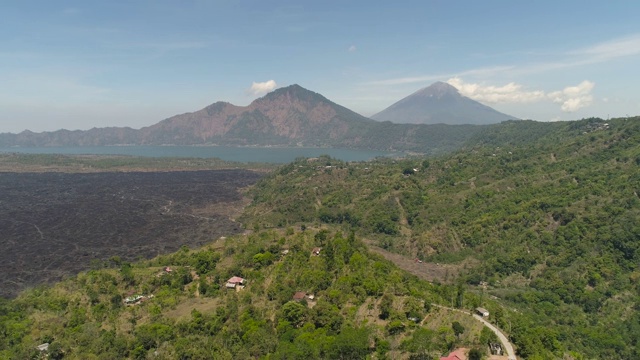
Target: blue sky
84	64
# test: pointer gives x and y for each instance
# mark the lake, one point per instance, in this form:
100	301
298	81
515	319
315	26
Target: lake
227	153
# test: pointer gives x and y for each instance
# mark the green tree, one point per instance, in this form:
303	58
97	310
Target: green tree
458	329
294	312
351	343
386	305
475	354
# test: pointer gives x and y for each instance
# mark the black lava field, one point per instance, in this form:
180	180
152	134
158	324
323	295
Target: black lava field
56	224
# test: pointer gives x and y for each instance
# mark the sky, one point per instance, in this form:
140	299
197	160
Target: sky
84	64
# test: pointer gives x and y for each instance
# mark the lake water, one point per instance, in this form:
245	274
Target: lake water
227	153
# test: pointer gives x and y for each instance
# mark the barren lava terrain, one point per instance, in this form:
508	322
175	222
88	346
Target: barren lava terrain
56	224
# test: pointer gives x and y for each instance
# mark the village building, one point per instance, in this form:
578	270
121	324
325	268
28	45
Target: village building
316	251
299	296
457	354
235	282
482	312
43	347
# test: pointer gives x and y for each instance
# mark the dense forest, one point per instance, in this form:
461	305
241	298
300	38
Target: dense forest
540	220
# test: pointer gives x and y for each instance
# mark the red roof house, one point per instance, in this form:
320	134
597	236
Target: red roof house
457	354
235	281
299	295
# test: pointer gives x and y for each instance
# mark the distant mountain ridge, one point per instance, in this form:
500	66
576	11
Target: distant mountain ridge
440	103
288	116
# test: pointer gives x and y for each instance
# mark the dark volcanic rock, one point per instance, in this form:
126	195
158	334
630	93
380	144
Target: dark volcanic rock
56	224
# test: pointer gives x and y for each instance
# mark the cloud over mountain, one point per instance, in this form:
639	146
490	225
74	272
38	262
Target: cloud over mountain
571	98
261	88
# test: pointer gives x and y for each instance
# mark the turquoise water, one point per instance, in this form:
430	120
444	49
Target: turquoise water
227	153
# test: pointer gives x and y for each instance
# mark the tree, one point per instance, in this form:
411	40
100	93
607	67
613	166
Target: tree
294	313
351	343
475	354
386	304
458	329
412	308
487	336
395	327
460	296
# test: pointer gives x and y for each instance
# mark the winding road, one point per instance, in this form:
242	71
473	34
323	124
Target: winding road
503	339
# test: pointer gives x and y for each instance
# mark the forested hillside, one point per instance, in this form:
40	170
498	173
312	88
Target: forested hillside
343	303
547	214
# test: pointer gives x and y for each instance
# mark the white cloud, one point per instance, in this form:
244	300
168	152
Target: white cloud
596	53
262	88
571	98
487	71
509	93
626	46
352	48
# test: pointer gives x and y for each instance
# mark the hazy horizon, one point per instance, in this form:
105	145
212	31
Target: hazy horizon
76	65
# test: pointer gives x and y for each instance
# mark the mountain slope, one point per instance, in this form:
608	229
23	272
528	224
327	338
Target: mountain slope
286	116
440	103
350	304
549	223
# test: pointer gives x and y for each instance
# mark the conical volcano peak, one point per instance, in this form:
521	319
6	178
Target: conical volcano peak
438	89
440	103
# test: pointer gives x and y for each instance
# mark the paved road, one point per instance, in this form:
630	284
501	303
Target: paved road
505	342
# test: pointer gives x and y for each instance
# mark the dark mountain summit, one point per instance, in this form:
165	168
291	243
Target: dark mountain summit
440	103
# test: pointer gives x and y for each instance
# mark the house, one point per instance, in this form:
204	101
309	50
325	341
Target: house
43	347
457	354
133	299
299	295
167	269
316	251
482	312
235	281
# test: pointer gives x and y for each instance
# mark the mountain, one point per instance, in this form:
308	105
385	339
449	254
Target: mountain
289	116
440	103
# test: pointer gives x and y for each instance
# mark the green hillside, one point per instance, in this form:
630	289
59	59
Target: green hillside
547	214
362	306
